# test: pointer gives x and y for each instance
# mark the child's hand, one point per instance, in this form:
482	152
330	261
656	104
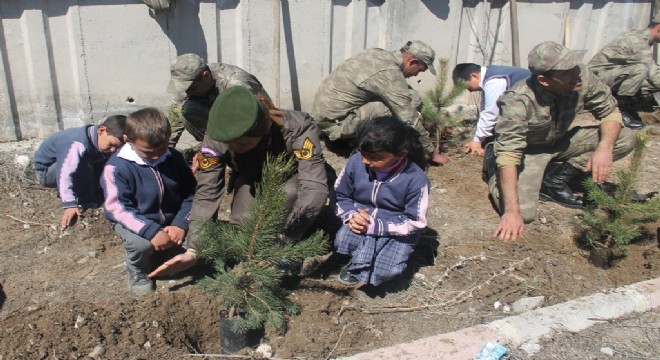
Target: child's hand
176	264
359	222
176	234
69	216
161	241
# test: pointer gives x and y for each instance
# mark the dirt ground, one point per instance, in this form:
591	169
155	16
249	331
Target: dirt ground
64	294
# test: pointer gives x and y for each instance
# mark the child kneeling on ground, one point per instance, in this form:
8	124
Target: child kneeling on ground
382	198
72	161
149	190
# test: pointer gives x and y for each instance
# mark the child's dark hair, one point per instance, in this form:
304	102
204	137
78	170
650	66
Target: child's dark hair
391	135
149	125
462	72
115	125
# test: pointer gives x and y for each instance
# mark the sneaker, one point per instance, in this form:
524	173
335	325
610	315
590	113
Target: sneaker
346	278
139	282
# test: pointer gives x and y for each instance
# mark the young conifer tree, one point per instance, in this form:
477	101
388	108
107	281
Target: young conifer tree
247	256
612	221
435	118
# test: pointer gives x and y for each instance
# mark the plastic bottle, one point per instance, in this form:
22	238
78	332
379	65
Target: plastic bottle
491	351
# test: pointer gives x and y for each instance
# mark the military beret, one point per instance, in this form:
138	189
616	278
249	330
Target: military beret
549	55
234	113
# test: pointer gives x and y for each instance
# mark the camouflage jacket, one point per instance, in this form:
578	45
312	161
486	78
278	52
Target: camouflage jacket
225	76
633	47
298	136
372	75
531	116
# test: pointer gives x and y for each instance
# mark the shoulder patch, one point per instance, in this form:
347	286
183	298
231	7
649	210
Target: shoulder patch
207	158
307	150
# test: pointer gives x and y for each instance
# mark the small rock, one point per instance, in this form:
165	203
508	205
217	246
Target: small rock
82	260
543	220
147	345
531	348
506	309
607	351
22	160
442	190
497	304
264	351
97	353
420	277
26	226
92	254
527	303
154	323
80	321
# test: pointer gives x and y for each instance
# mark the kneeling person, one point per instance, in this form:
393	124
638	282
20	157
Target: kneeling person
563	113
382	199
149	190
243	131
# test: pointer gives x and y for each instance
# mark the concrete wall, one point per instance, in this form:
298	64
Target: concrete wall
65	63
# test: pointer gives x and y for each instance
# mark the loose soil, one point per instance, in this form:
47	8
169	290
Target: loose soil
63	294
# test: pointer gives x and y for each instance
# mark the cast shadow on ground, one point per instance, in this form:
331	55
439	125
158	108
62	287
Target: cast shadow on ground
3	297
424	255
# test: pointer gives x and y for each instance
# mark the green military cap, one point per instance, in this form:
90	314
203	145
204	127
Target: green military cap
183	71
549	55
421	51
234	113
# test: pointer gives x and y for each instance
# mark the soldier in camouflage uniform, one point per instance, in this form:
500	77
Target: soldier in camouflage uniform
627	65
243	130
373	84
562	113
195	85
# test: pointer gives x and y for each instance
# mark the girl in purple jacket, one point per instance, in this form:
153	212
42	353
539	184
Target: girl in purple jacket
382	198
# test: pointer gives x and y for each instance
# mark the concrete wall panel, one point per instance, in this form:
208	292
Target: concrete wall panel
71	62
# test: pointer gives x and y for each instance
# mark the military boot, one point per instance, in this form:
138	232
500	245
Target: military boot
555	186
630	116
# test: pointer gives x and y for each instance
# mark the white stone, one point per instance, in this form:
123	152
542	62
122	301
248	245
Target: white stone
97	353
22	160
527	303
80	321
531	348
264	351
607	351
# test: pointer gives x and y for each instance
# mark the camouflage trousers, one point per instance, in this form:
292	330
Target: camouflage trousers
194	118
575	148
628	80
346	127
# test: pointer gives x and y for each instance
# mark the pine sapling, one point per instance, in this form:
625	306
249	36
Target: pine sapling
435	117
613	220
247	256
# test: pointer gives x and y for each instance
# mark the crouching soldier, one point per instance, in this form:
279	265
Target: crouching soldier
561	114
243	131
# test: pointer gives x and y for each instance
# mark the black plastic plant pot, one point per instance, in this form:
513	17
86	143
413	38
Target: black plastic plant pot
231	341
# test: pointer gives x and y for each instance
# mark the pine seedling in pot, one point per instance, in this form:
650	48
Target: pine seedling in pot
248	257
